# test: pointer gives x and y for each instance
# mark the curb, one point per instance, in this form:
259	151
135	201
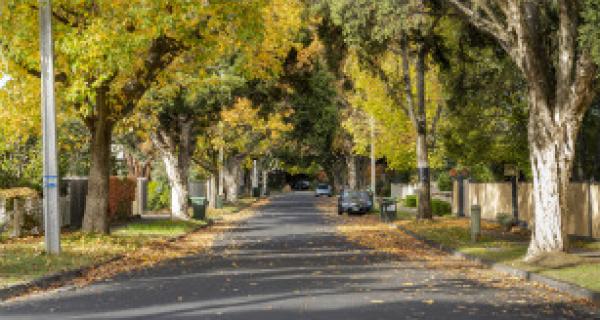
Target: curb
59	278
48	281
561	286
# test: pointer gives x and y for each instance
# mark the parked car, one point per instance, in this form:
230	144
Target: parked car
354	202
323	189
302	185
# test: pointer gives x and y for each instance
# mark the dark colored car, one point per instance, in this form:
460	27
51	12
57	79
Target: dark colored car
302	185
354	202
323	189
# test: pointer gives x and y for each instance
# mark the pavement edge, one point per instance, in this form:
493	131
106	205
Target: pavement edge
561	286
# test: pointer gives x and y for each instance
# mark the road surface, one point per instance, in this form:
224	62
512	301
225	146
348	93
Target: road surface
287	262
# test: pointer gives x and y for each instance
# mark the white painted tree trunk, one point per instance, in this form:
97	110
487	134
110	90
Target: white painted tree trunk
212	192
175	148
547	234
231	178
179	186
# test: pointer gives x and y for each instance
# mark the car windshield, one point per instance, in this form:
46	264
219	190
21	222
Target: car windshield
356	194
323	186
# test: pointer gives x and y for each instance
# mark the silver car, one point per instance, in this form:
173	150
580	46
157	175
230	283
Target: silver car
323	189
354	202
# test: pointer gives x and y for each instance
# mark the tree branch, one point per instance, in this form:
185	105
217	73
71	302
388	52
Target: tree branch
582	91
567	37
160	54
392	91
492	25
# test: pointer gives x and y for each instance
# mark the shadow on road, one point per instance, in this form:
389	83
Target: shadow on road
288	263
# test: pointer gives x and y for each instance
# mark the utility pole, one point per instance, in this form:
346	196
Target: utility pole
373	160
255	178
50	171
221	182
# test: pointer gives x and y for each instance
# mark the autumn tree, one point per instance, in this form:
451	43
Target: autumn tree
541	38
189	94
109	54
405	28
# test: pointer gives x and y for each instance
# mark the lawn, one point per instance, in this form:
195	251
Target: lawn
510	248
159	227
23	260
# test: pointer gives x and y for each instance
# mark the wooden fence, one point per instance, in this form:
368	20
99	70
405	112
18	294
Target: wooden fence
583	204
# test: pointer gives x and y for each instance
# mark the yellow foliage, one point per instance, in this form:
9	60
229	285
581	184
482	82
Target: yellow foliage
18	193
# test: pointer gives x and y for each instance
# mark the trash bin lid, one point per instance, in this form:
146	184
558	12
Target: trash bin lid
198	199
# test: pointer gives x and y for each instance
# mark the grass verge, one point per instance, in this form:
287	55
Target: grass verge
509	248
23	260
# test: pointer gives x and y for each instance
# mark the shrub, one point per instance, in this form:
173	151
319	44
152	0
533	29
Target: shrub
159	195
440	207
444	181
121	194
507	221
410	201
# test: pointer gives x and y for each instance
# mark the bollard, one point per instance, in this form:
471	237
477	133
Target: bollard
475	222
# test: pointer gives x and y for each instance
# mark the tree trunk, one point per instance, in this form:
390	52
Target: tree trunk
424	193
96	205
178	183
176	157
351	162
552	153
231	178
212	192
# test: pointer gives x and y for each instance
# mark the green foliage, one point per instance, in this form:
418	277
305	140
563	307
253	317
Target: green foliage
486	121
440	208
159	195
410	201
315	117
483	173
505	220
589	31
21	164
444	181
587	157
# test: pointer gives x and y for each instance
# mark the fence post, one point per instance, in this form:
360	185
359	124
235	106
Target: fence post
590	213
475	222
461	196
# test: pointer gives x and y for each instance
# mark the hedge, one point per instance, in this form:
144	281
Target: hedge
438	207
121	195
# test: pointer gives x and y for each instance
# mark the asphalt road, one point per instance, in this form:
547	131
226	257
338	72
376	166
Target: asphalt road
287	262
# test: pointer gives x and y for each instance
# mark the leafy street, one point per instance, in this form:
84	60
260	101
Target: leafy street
290	261
309	159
